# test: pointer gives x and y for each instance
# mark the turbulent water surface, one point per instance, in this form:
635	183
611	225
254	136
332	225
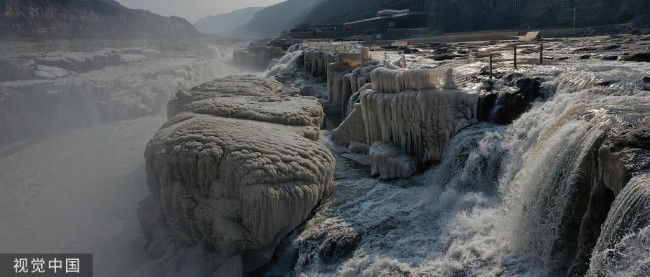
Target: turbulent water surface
494	205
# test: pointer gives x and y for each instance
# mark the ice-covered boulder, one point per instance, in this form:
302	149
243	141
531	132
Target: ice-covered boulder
418	122
237	167
389	162
343	82
339	87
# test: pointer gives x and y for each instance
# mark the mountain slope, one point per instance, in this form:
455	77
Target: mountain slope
224	24
271	21
85	19
466	15
330	12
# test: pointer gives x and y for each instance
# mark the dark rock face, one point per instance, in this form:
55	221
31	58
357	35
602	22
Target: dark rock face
485	105
624	154
510	105
339	245
613	161
638	57
85	19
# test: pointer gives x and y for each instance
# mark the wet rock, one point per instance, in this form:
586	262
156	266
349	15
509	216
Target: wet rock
638	57
411	51
510	78
339	244
510	105
485	105
586	49
444	57
611	47
612	176
623	155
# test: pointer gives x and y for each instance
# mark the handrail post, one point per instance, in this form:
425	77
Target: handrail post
515	56
490	66
541	52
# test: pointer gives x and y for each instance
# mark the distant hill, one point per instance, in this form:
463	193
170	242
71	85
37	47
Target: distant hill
225	24
271	21
85	19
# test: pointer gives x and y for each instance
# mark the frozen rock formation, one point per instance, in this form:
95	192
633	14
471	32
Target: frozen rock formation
344	67
351	129
394	81
237	167
232	86
339	86
418	122
389	162
316	62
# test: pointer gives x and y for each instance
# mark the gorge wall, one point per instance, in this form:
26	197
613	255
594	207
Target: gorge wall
25	19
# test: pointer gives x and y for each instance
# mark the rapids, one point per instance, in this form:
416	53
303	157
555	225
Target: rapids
499	203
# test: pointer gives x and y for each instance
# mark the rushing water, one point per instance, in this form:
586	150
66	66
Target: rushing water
495	205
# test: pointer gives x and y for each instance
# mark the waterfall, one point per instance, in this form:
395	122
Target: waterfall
289	60
624	242
504	200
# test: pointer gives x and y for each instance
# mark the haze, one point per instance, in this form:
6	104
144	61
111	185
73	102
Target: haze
192	10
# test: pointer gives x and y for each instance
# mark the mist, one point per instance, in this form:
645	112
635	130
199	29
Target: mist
75	121
194	9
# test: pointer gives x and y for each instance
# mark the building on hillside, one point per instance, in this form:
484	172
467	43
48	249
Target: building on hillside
389	23
412	5
404	18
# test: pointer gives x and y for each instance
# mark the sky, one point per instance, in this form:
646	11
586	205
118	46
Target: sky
192	10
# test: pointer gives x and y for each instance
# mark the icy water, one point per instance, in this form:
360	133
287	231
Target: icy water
78	193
